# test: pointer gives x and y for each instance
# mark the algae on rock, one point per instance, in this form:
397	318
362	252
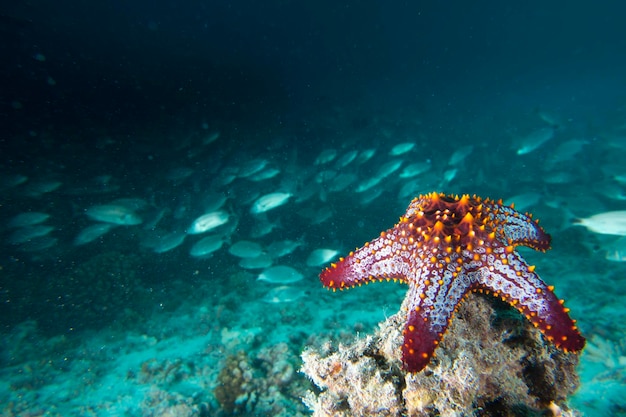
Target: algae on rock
489	363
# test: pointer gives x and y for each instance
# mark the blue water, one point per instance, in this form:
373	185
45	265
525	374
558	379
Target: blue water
176	105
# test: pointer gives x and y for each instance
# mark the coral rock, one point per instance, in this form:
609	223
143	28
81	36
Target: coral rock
492	362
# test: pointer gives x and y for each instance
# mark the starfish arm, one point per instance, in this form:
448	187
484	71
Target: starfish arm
420	337
430	305
511	278
382	258
520	229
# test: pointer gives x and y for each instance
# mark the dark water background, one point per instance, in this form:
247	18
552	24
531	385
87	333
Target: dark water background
125	65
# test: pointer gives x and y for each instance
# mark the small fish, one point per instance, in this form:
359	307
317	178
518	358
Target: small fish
113	213
266	174
30	218
371	196
10	181
208	221
283	247
549	118
325	176
91	233
342	181
261	261
263	227
168	241
206	246
252	167
367	184
450	174
29	233
321	257
325	156
321	215
460	154
609	223
284	294
524	201
566	151
415	169
621	178
389	168
37	189
213	202
534	140
210	138
614	191
346	159
365	155
246	249
280	274
269	202
401	148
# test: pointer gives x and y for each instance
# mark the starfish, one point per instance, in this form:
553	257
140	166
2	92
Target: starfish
445	247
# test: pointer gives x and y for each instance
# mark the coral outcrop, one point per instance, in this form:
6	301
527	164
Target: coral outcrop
263	385
492	362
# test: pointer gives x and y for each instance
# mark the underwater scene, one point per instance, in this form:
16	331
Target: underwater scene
190	191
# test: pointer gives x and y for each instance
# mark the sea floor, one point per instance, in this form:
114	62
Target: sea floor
168	363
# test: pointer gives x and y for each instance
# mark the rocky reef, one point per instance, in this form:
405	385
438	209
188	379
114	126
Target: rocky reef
491	362
266	384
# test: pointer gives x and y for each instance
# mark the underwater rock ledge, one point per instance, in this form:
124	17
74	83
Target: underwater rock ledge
491	362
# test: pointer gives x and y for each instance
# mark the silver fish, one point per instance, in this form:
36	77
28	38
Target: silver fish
523	201
321	257
206	246
367	184
283	247
280	274
91	233
415	169
266	174
269	202
365	155
389	168
261	261
608	223
252	167
346	159
27	219
401	148
284	294
534	140
460	154
208	222
114	213
29	233
245	249
326	156
169	241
